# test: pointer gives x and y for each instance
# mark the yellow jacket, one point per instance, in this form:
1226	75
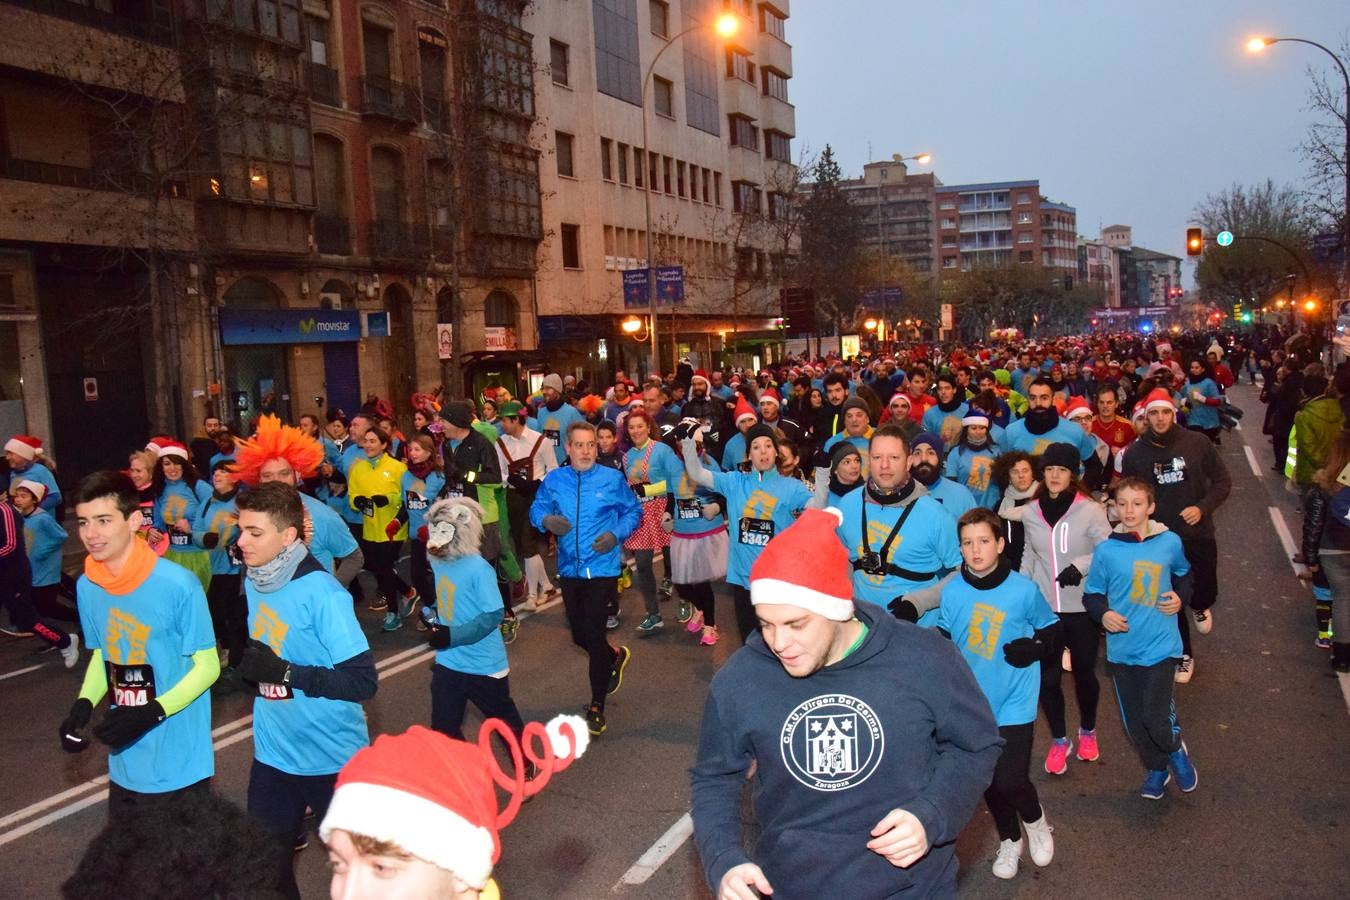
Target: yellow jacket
382	477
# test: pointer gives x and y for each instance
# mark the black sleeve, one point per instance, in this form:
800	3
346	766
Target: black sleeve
1314	521
1096	606
489	470
354	679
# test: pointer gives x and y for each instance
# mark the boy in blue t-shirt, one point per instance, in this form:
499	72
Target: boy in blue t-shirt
1138	582
1003	627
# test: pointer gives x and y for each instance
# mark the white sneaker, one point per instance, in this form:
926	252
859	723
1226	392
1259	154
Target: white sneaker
71	655
1007	859
1185	669
1066	661
1040	841
1204	620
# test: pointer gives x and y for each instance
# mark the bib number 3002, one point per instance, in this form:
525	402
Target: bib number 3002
756	532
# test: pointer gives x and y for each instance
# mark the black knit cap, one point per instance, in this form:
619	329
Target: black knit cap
458	413
1063	455
759	430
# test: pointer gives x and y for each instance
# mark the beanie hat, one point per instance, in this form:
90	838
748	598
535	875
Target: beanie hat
1214	348
759	430
1157	399
743	411
434	796
1077	407
36	488
172	448
975	417
1060	454
841	451
459	413
770	394
855	403
554	381
24	445
1002	377
825	587
927	437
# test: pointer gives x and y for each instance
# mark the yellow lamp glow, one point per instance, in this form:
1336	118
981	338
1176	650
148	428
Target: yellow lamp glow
1310	305
870	324
727	25
631	325
1257	44
924	159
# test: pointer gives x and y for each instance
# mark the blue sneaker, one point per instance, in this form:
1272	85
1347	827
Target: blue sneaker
392	622
1180	763
1155	785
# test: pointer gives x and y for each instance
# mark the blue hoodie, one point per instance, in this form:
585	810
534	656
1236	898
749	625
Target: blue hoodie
898	723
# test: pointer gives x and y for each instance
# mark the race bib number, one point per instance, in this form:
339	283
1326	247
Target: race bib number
553	435
1171	471
756	532
455	491
131	685
178	539
275	691
688	509
416	501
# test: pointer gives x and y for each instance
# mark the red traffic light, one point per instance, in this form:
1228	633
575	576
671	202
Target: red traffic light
1195	241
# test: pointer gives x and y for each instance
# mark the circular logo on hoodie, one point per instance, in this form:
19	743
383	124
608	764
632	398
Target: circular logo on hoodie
832	742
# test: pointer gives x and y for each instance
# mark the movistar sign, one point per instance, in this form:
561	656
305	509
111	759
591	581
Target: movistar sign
288	326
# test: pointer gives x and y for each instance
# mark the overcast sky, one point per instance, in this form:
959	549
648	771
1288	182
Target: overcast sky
1130	111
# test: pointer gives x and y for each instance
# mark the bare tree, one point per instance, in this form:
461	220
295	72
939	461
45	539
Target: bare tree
1323	147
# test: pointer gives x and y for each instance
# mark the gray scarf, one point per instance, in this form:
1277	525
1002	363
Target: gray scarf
277	573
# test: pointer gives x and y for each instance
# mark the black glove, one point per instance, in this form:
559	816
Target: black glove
518	480
124	725
1023	652
1070	577
438	637
685	429
72	741
261	665
380	501
903	610
605	542
640	489
363	504
557	526
210	540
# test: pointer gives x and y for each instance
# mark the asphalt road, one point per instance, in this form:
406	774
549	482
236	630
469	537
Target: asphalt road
1264	717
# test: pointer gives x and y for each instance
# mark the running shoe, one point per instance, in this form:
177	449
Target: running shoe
695	623
709	636
379	604
1185	669
649	624
391	621
1040	840
70	654
616	672
1204	620
1007	860
1179	761
407	603
665	588
1323	641
1155	785
1087	745
684	613
595	719
1057	758
510	626
611	622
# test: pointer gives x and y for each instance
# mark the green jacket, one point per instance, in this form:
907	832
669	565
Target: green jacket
1316	426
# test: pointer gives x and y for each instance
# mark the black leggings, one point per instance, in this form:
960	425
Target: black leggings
420	572
22	615
1011	795
381	557
229	616
47	605
747	623
1081	635
587	601
701	595
1203	555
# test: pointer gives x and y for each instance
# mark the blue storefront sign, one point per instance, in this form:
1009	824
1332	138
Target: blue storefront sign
669	287
289	326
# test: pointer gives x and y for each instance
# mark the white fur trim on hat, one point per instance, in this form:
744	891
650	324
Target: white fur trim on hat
1160	403
976	419
772	590
22	448
747	415
37	488
177	450
1078	412
420	826
557	736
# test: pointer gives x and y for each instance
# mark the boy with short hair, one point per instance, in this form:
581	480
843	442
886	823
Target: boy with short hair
1002	625
1140	580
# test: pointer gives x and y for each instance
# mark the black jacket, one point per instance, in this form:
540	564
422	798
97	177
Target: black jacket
473	462
1185	470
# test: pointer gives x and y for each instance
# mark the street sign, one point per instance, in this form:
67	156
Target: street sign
1223	238
91	390
669	287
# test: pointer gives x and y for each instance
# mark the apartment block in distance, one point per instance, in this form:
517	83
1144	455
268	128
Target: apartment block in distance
717	171
898	211
1004	223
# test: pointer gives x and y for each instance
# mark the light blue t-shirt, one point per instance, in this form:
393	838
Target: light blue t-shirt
466	588
733	451
1064	432
926	544
221	518
148	638
662	470
946	425
1198	415
955	498
178	502
307	622
553	426
759	506
690	499
42	475
43	538
974	468
981	622
1133	575
331	539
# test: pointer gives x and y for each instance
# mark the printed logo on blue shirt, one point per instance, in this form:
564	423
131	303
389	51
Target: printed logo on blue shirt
126	638
1144	584
986	624
832	742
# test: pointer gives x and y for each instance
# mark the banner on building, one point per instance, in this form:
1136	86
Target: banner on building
445	340
288	326
669	287
499	337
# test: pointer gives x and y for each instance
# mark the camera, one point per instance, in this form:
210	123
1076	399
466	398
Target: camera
870	562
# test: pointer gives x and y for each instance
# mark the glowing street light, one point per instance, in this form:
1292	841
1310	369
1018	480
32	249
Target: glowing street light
1257	44
631	325
870	324
727	25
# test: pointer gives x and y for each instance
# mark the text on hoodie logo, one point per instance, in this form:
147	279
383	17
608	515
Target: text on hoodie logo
832	742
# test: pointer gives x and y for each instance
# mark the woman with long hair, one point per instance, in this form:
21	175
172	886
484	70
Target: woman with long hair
1063	528
653	473
420	484
375	490
1326	548
179	493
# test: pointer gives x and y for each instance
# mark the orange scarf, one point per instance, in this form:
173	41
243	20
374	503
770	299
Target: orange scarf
137	568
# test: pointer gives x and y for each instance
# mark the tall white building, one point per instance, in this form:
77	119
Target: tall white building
718	173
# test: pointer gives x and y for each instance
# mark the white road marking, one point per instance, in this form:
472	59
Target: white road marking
657	854
1251	461
1286	538
18	672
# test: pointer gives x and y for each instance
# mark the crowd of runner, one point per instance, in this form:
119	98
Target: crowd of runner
1015	500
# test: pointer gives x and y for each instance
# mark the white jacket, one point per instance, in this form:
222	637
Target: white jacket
1071	542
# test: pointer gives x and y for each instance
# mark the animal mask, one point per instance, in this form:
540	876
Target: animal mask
454	528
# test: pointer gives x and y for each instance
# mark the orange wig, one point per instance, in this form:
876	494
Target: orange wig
272	441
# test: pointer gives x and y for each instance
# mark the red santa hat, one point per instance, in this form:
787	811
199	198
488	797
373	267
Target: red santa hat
25	445
1077	408
770	394
825	587
156	442
1158	399
36	488
1140	411
743	411
434	796
700	375
172	448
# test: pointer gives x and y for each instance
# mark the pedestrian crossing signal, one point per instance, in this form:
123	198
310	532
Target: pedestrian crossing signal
1195	241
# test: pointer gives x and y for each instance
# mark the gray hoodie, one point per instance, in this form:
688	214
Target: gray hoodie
1070	543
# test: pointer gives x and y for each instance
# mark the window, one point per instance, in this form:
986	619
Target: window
386	183
1023	199
743	132
949	242
947	204
637	167
1024	256
623	164
770	22
660	13
606	159
1024	218
499	310
557	56
317	30
663	96
693	182
707	195
779	207
1024	238
563	146
571	250
746	197
948	223
665	172
701	83
618	71
267	158
949	262
653	160
717	188
375	41
739	65
775	84
679	179
779	146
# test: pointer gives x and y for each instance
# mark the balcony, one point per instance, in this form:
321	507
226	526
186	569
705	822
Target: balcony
389	99
154	24
71	176
394	239
323	85
332	234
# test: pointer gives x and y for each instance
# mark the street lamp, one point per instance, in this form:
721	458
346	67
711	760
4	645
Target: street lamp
870	324
1256	45
724	26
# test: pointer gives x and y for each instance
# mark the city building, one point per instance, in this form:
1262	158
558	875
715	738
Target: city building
1001	223
1130	276
717	171
1097	267
898	211
238	207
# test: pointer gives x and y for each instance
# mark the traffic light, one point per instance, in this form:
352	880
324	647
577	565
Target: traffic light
1195	241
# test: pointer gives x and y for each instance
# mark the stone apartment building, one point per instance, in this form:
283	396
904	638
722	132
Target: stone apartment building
1004	223
1130	276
